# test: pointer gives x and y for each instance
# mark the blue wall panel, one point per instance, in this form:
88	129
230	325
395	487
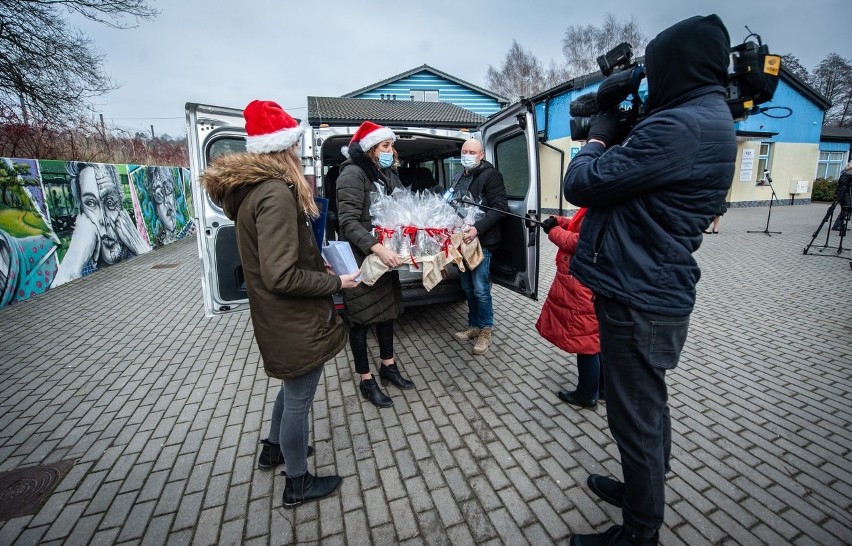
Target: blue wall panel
804	125
449	91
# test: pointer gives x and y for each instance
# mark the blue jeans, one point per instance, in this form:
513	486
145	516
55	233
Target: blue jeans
637	348
477	287
290	426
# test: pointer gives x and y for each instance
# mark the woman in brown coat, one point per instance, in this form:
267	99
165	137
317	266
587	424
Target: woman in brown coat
289	290
368	170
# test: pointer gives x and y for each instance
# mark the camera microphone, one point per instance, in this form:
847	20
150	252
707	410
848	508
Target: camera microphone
584	106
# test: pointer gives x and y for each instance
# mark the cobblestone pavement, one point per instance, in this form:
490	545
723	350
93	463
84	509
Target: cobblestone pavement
162	409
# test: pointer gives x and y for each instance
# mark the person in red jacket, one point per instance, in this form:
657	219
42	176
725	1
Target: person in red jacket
568	316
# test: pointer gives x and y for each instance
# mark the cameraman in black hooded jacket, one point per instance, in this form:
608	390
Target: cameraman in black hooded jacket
649	199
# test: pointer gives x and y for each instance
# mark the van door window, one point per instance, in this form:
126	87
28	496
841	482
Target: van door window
225	145
512	160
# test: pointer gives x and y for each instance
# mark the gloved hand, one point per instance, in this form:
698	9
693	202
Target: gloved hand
548	224
604	126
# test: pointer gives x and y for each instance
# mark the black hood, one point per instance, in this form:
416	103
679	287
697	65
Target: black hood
685	57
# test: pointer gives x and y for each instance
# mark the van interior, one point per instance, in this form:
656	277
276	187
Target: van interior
427	163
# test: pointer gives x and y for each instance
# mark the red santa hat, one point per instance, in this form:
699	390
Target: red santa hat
269	128
368	135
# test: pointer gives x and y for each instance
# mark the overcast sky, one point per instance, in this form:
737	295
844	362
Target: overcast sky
228	53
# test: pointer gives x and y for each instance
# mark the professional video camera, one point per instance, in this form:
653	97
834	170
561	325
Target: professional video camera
752	79
613	91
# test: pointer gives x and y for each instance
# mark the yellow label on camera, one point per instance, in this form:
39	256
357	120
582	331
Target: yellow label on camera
772	64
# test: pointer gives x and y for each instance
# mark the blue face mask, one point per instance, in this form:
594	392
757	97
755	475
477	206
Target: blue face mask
469	161
385	159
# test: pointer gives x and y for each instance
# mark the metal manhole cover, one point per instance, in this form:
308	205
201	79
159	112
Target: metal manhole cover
164	266
24	490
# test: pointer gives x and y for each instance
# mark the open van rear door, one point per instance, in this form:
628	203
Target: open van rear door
510	142
213	131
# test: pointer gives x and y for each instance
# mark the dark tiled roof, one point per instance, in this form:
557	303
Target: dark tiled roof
500	98
836	133
347	111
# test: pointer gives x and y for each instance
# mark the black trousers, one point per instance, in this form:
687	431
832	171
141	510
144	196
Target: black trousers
358	344
637	348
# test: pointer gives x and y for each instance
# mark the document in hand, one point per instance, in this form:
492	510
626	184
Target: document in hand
339	256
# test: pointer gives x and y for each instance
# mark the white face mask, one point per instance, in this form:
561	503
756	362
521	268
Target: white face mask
469	161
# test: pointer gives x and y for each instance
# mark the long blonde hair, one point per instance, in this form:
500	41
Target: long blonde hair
303	189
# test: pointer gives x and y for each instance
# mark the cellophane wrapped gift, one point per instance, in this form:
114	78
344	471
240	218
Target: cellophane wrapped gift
419	225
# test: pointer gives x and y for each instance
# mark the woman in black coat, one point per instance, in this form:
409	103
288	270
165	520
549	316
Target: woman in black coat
369	169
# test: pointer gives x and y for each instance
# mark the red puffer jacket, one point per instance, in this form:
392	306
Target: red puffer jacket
568	316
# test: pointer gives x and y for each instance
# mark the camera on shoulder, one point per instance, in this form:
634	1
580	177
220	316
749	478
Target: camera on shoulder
752	79
623	78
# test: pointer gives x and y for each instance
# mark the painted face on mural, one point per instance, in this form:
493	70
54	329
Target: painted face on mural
100	201
163	194
5	265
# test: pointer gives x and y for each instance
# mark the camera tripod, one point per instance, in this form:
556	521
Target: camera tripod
843	197
772	198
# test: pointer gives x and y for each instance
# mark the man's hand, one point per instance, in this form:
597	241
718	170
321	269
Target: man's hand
470	234
604	127
548	224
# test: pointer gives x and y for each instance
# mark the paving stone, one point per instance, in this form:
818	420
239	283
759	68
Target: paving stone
165	425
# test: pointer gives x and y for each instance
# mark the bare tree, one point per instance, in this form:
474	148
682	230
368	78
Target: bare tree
833	78
582	45
792	63
49	68
520	75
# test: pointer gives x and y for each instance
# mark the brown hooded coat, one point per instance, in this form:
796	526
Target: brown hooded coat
295	323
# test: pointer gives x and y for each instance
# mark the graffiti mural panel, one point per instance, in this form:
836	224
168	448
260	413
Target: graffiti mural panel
28	246
104	231
61	221
163	203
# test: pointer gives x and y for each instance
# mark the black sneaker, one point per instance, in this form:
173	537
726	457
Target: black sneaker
607	489
616	536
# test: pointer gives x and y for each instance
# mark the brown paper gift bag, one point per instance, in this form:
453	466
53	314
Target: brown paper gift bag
455	255
472	253
433	269
371	269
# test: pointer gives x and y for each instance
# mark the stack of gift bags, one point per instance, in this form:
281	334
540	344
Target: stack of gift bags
426	231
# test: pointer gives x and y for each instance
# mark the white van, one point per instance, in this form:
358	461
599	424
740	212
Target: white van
510	143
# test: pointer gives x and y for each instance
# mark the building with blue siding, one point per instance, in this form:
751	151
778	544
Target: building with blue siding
425	83
789	148
835	144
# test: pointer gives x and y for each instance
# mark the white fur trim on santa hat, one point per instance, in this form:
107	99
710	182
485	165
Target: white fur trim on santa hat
371	139
274	142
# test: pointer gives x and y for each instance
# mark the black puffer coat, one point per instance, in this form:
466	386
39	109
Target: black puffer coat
357	180
650	198
487	188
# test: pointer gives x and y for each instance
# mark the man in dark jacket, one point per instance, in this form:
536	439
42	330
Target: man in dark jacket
649	199
483	184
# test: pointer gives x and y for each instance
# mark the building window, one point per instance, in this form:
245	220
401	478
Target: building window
830	164
420	95
763	161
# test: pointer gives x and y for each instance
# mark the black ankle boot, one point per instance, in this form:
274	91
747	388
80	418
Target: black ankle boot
309	488
389	373
271	456
371	391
